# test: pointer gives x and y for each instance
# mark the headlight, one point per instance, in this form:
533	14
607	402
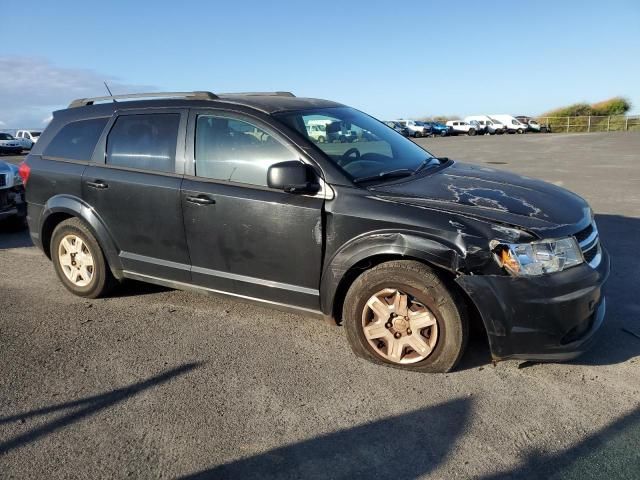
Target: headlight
17	180
537	258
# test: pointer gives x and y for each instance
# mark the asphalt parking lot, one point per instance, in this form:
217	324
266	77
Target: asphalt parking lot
156	383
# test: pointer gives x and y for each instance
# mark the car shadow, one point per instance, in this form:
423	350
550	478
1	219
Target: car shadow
610	453
415	444
14	235
82	408
619	338
404	446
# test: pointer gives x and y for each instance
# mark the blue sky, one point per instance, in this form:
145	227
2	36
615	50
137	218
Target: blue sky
391	59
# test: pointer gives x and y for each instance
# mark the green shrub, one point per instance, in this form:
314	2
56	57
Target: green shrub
613	106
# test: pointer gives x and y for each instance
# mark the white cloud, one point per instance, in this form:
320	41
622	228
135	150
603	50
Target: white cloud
31	88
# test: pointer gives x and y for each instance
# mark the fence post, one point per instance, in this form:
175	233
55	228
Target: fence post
608	123
589	125
568	124
626	124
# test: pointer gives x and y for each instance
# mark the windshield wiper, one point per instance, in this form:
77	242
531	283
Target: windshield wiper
400	172
427	162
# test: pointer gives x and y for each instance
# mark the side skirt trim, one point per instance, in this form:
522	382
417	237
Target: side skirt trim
197	288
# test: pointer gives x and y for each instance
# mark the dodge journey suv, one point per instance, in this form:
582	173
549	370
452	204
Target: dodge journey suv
230	194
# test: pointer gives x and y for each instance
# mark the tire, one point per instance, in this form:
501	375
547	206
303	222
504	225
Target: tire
321	139
426	291
101	280
443	133
519	131
471	132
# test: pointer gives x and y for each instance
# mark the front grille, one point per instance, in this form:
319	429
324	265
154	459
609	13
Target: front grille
589	242
3	180
3	200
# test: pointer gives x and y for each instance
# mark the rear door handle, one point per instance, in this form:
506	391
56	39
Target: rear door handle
98	184
200	200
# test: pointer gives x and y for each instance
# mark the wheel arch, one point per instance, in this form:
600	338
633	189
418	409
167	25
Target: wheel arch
368	251
62	207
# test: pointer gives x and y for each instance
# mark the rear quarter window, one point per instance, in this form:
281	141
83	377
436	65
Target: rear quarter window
76	140
144	142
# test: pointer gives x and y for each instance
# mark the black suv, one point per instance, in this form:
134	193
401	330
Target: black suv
229	194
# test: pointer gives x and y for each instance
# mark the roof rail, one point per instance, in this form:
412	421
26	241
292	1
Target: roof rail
259	94
81	102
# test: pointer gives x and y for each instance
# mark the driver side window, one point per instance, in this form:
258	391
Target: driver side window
235	150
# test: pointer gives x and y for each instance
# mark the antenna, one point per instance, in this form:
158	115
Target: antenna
109	90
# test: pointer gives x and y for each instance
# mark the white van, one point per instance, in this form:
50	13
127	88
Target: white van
492	126
512	123
317	130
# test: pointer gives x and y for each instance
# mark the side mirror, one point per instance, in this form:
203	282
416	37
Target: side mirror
293	177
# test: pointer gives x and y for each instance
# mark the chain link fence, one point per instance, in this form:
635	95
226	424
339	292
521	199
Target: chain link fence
593	123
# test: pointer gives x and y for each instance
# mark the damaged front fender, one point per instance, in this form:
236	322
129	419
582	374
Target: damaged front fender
449	256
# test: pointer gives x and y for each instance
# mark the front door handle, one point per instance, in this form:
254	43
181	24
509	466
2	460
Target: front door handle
98	184
200	200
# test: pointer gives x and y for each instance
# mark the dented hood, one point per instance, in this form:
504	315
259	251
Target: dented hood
494	195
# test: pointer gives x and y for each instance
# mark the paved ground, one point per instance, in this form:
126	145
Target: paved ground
154	383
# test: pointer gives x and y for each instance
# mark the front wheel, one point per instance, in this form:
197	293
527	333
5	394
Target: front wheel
78	260
471	132
402	314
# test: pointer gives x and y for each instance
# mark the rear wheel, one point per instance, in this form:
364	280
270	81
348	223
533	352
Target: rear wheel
78	260
403	315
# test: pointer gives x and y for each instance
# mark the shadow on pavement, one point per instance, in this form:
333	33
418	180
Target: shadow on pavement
84	407
405	446
14	235
621	237
611	453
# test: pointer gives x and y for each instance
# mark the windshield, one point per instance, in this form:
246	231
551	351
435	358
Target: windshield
359	144
5	136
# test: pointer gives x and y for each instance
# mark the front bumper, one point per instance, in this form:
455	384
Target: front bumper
547	318
12	203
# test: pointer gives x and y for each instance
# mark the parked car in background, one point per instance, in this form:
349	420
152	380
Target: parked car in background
8	144
317	130
458	127
492	126
512	124
367	234
30	136
12	201
416	129
427	132
533	125
437	128
480	129
404	131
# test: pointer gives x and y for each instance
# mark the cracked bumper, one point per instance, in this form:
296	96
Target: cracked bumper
548	318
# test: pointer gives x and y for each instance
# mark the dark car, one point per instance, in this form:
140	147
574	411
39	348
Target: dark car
438	129
12	201
402	130
229	194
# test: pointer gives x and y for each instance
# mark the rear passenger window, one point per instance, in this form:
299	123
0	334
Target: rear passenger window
236	151
146	142
76	140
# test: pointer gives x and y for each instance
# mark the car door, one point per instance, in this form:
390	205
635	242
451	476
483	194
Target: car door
134	187
245	238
